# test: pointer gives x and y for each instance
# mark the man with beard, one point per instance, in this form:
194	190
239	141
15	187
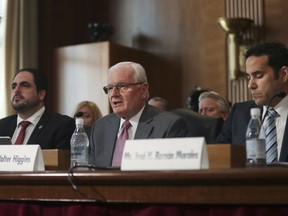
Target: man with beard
49	130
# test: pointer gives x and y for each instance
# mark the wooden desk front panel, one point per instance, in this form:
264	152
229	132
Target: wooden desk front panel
235	186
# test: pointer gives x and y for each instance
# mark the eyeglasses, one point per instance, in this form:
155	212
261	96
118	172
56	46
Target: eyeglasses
122	87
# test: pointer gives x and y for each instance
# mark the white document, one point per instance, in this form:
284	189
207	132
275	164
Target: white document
26	158
187	153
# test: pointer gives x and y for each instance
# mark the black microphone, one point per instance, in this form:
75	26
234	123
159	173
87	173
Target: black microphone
78	114
281	95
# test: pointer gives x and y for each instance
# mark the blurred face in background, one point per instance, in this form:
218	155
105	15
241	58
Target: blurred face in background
158	104
87	115
209	107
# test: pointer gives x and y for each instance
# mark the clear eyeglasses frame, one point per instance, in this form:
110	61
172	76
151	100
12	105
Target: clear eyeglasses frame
122	87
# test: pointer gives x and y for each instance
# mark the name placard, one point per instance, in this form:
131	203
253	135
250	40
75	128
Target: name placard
187	153
21	158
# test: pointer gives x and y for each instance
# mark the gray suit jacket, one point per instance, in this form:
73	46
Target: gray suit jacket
153	123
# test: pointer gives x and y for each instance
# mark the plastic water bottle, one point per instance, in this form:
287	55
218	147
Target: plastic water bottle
79	145
255	142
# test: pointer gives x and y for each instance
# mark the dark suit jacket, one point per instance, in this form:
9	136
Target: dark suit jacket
53	130
153	123
234	131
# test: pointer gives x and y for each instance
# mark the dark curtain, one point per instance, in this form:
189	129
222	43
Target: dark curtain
15	208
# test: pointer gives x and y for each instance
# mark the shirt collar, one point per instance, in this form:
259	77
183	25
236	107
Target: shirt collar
34	119
135	119
281	107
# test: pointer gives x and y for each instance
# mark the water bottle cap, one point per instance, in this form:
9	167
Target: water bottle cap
79	121
255	111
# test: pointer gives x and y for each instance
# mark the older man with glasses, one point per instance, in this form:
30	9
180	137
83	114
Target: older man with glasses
132	117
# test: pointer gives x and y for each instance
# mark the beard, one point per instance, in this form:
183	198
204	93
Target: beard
22	107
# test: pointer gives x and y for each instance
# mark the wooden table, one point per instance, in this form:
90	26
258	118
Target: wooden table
228	186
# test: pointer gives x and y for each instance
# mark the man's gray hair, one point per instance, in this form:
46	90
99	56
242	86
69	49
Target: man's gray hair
221	101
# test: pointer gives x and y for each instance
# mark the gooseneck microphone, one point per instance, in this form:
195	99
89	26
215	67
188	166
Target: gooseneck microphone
281	95
78	114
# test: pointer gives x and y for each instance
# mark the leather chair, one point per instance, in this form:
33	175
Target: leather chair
200	125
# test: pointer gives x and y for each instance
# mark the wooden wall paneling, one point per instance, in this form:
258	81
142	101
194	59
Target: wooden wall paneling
182	36
213	57
276	17
185	37
62	23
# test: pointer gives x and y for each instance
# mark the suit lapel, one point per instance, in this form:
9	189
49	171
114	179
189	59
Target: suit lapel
12	126
144	130
39	127
111	139
145	127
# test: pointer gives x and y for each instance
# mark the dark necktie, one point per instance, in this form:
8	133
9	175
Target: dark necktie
117	156
21	135
271	137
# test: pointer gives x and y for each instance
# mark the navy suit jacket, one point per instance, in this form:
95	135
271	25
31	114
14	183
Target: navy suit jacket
234	131
53	130
153	123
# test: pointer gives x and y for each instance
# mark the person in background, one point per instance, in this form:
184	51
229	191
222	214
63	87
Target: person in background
128	91
87	110
193	98
213	104
28	93
159	102
267	73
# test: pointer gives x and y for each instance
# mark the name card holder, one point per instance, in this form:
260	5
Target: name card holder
226	156
187	153
26	158
56	159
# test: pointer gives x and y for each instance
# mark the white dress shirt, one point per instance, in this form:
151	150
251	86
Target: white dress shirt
134	124
281	109
34	119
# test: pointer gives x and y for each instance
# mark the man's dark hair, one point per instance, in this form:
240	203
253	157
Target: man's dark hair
277	54
40	78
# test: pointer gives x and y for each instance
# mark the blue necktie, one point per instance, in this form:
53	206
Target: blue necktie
271	137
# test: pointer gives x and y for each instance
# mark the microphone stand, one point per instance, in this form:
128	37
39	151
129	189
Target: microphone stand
281	95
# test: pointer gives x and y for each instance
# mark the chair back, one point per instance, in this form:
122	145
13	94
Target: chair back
200	125
88	130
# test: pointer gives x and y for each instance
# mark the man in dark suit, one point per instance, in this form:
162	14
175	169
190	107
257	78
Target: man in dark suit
49	130
128	92
267	72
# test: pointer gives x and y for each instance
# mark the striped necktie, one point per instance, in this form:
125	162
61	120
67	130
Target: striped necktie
271	137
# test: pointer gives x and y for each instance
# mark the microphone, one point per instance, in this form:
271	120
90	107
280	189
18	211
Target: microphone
78	114
281	95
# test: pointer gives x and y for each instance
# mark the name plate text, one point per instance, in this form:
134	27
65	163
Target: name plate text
165	154
21	158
